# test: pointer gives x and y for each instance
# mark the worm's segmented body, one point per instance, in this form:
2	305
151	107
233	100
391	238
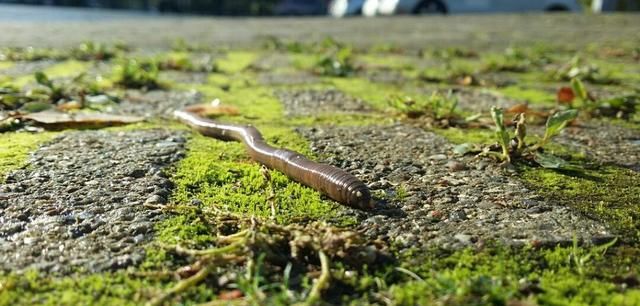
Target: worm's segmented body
332	181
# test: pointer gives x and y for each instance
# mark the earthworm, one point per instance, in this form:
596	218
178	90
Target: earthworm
334	182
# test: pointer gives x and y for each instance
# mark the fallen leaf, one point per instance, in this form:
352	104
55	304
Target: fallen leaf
466	80
58	120
230	295
212	109
565	95
518	108
71	105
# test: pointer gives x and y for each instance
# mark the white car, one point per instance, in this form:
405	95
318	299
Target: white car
390	7
341	8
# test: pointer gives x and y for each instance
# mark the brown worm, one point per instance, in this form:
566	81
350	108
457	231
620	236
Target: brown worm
334	182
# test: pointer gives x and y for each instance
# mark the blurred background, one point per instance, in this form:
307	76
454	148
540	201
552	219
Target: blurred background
336	8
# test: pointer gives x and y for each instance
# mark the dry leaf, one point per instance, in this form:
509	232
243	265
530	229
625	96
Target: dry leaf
230	295
518	108
212	109
58	120
565	95
71	105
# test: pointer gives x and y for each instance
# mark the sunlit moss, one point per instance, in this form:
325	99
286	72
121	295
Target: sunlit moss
6	65
63	69
530	95
15	148
608	194
97	289
503	276
236	61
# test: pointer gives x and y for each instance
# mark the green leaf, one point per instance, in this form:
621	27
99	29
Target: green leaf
558	121
42	79
551	161
501	133
579	90
34	107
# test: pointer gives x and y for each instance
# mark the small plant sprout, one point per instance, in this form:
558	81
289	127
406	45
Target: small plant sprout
438	109
555	124
336	63
501	132
55	92
521	131
133	73
516	146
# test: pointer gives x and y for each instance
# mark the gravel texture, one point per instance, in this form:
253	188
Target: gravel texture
156	102
428	197
26	68
87	201
604	142
316	102
293	78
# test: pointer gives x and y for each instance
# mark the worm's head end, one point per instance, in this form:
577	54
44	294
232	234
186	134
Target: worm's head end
362	199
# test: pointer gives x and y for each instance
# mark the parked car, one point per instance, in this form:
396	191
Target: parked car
301	7
600	6
390	7
341	8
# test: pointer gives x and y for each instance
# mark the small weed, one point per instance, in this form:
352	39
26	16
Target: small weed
94	51
63	95
336	63
31	54
142	74
577	69
452	73
182	62
515	60
622	106
181	45
514	146
438	109
450	53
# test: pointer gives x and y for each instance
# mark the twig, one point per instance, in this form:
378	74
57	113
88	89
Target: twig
182	286
407	272
322	282
208	252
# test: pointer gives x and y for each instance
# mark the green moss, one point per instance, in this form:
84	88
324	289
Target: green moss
221	175
377	95
236	61
15	148
501	276
474	136
304	62
64	69
6	65
97	289
523	94
400	63
608	193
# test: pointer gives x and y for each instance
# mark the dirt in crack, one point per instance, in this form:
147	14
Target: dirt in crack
80	205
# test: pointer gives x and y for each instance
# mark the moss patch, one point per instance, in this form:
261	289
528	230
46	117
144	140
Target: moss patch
528	94
15	148
6	65
97	289
236	61
608	193
474	136
221	175
503	276
64	69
